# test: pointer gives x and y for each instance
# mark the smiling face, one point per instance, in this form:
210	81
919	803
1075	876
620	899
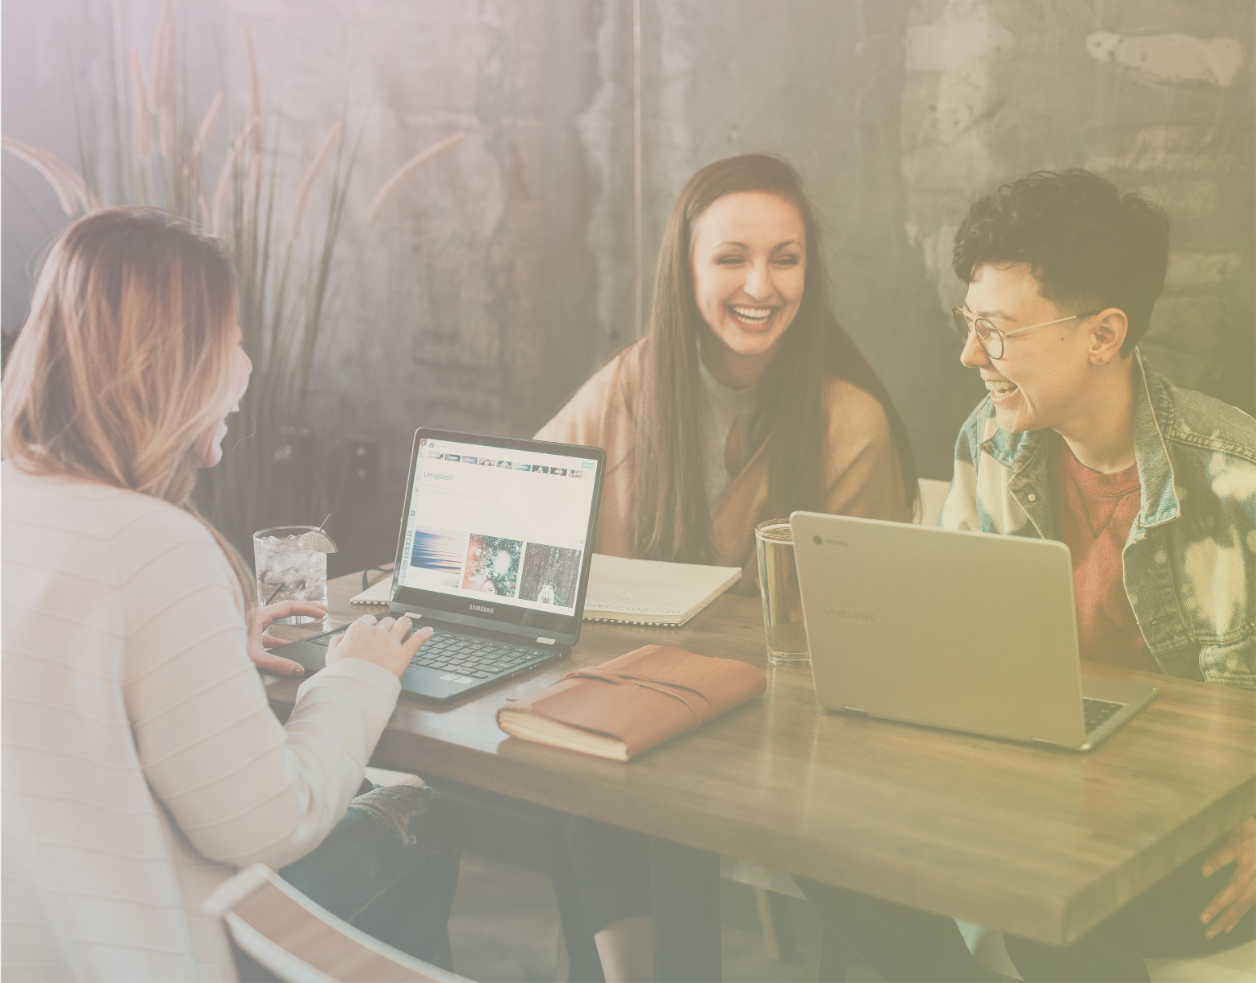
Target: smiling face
1044	376
210	444
749	268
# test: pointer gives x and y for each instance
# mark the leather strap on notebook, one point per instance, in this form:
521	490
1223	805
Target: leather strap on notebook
658	685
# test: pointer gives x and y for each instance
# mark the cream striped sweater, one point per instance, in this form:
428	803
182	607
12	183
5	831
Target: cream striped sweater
141	762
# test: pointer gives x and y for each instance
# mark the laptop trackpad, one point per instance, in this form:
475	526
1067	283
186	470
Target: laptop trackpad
309	653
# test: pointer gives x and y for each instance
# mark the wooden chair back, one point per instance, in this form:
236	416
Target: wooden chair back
300	942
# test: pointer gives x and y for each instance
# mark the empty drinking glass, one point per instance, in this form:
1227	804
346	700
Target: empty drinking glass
782	600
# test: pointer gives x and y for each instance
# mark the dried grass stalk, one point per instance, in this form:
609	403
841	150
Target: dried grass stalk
252	192
88	201
193	165
207	210
308	179
70	188
407	169
65	192
255	86
222	190
163	91
154	52
140	139
206	127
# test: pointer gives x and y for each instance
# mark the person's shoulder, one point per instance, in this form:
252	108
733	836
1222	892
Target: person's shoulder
138	528
91	508
607	394
977	428
108	533
980	424
131	514
623	370
1202	421
853	411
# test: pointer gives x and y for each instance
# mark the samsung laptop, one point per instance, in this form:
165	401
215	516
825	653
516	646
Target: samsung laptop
494	551
963	630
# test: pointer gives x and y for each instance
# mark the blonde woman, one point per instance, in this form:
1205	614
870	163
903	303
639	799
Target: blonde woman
142	764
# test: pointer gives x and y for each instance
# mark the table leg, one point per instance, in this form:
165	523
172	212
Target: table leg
685	910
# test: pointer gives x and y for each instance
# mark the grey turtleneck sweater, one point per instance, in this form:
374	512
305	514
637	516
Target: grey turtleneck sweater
719	406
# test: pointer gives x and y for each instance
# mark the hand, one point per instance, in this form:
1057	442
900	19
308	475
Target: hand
261	619
379	642
1233	901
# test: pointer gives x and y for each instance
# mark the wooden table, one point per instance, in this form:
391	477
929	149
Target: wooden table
1036	841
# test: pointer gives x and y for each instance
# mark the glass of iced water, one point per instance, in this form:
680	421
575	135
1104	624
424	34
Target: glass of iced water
782	600
288	570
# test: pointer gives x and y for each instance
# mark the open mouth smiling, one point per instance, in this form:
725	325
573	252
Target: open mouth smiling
1001	390
753	316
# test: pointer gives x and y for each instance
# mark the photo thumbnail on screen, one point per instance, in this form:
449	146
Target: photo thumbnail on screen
551	575
492	565
437	556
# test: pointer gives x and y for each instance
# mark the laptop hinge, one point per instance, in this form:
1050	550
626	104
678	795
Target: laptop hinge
856	710
1043	740
545	641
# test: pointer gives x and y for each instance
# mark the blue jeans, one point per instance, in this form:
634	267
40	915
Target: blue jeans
389	868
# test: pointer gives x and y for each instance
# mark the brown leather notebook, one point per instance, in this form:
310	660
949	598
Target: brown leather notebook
630	704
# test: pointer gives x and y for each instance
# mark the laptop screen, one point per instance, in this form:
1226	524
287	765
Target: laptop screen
499	530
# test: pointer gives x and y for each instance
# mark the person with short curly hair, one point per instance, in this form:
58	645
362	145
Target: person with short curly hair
1152	488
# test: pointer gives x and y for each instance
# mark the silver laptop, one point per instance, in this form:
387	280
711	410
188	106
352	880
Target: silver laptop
962	630
493	552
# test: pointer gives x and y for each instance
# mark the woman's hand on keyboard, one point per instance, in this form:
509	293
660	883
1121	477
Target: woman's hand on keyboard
383	642
261	619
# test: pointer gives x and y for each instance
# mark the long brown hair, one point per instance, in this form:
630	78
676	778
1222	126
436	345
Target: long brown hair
672	518
124	360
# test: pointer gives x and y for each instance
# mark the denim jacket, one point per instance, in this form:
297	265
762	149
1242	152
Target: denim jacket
1190	559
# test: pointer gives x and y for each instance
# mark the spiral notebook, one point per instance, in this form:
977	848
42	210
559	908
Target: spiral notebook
651	592
634	592
378	593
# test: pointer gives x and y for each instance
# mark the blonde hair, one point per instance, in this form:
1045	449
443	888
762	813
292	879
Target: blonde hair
125	359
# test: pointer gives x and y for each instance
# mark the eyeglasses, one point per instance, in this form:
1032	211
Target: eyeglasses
991	338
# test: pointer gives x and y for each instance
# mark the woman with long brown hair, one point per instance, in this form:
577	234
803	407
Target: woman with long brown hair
142	763
745	401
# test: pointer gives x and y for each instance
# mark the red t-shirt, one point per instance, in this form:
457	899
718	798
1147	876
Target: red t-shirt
1093	514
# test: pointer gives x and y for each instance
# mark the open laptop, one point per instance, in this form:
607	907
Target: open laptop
963	630
494	552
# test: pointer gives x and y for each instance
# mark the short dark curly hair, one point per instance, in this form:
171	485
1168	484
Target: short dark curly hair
1088	245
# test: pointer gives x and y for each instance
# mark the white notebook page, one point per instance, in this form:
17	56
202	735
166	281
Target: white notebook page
652	588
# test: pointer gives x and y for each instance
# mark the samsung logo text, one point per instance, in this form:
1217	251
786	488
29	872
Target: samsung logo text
854	615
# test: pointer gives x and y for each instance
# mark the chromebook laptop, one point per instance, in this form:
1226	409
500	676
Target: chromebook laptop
494	551
962	630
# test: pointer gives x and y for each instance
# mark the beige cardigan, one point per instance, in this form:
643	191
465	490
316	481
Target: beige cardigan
862	473
142	762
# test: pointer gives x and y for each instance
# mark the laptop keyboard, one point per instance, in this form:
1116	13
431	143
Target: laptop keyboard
466	655
1098	711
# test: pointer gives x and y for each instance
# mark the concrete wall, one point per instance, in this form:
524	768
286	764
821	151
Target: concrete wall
502	275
